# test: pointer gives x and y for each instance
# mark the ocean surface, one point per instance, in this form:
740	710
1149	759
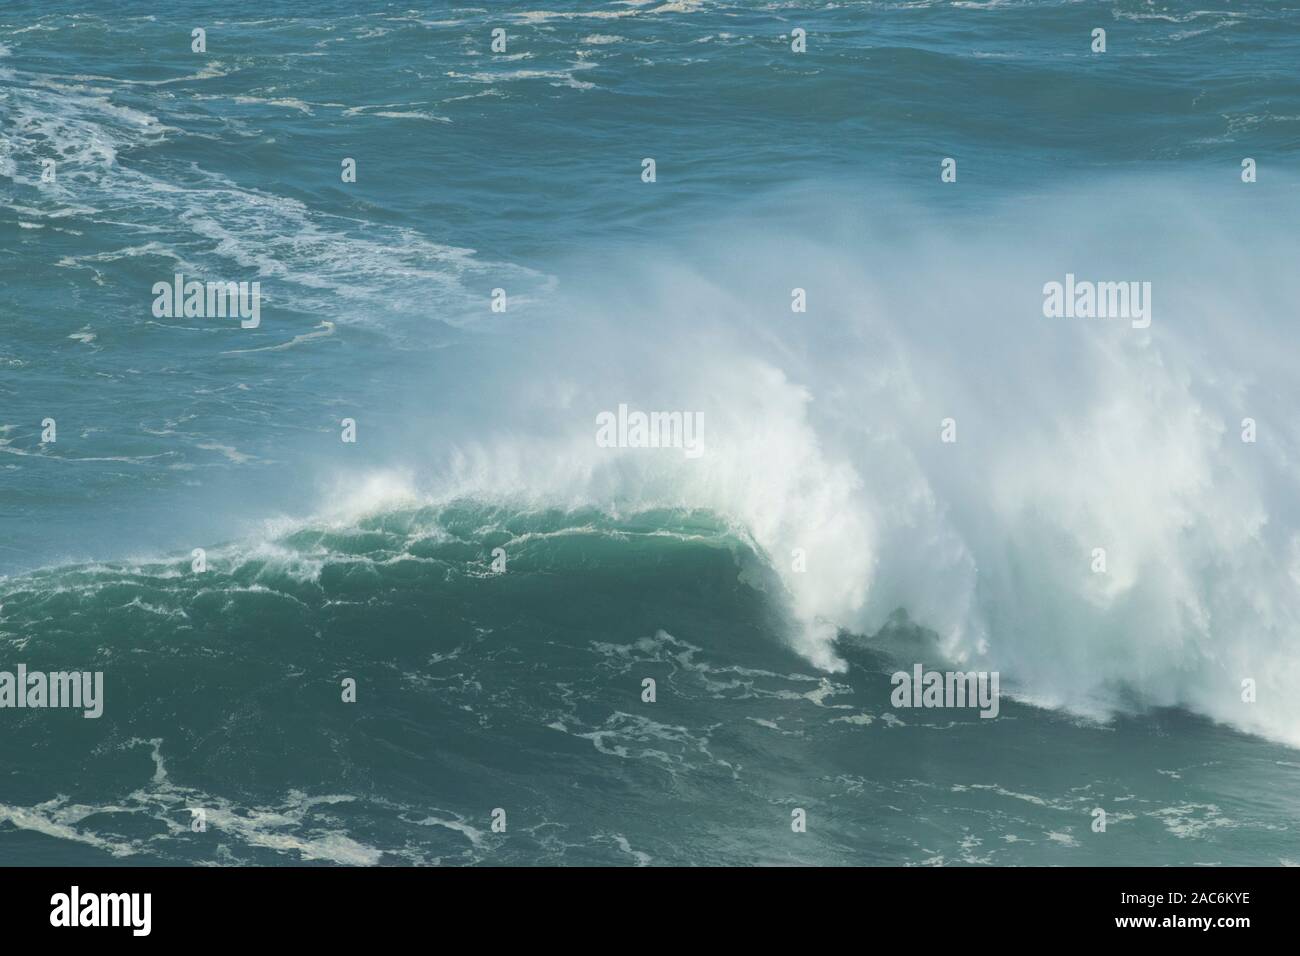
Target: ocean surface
826	538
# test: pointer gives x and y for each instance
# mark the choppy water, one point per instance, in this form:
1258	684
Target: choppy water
522	690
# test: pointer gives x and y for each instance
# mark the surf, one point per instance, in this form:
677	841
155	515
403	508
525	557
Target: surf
826	448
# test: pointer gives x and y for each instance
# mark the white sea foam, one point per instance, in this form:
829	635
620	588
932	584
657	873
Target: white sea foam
328	260
298	826
824	435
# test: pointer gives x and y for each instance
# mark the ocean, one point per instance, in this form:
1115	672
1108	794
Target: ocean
366	582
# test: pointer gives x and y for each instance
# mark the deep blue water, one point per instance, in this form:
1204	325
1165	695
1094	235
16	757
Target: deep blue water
521	170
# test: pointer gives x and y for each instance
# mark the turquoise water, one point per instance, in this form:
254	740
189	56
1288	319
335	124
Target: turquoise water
521	170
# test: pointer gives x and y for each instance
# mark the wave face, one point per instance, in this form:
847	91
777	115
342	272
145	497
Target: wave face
824	434
522	690
827	534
